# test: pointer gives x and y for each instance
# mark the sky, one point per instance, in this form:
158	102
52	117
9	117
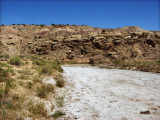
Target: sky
95	13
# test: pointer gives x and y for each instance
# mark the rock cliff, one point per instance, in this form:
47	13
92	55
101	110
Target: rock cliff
82	43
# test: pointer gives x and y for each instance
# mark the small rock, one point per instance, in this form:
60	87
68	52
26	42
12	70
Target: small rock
145	112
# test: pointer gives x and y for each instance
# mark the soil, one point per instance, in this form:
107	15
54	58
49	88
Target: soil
112	94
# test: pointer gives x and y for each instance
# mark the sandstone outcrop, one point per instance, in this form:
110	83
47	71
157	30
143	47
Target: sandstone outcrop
80	42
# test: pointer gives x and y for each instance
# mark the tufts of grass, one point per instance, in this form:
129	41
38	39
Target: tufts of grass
59	80
56	65
22	56
60	101
15	61
38	109
5	56
47	69
147	66
37	79
26	62
158	62
29	85
15	96
39	62
44	89
21	83
23	77
1	93
25	72
3	74
58	114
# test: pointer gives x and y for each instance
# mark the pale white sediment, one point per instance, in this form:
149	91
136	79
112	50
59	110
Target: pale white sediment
109	94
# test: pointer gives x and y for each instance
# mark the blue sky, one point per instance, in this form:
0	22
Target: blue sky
96	13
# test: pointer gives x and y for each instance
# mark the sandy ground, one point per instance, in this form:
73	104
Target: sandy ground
109	94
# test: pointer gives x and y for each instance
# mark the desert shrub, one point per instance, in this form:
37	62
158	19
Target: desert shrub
42	25
38	108
39	62
3	74
6	56
58	114
6	67
21	83
1	93
10	106
23	77
15	96
47	69
25	72
103	31
44	89
56	65
158	62
49	88
116	62
29	85
22	56
26	62
15	61
32	57
37	79
40	92
59	101
59	81
10	82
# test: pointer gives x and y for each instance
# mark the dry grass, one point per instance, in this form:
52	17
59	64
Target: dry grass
147	66
37	108
58	114
28	82
44	89
15	61
59	80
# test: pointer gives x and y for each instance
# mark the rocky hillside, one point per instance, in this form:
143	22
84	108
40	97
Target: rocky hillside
81	43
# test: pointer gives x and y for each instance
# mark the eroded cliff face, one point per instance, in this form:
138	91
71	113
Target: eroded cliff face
82	43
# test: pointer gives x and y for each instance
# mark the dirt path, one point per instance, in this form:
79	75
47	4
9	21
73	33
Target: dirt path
109	94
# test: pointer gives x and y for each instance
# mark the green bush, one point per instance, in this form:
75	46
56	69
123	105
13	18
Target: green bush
15	61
